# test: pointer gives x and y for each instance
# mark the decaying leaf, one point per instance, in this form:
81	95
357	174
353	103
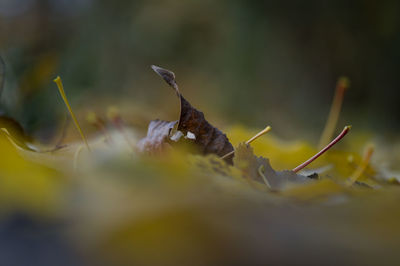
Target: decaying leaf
191	123
157	135
259	169
168	76
210	139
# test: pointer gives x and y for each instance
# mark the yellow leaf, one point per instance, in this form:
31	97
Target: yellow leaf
24	185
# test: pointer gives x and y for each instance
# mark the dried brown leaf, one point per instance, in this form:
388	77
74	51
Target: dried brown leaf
208	139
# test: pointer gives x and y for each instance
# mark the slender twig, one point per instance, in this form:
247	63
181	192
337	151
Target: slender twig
333	117
333	142
256	136
64	97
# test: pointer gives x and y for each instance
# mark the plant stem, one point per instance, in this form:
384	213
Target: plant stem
333	117
363	165
333	142
256	136
64	97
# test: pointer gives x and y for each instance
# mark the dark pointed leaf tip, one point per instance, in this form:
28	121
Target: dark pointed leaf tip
167	75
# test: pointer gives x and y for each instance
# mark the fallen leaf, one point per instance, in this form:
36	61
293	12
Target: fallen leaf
191	124
13	127
26	186
259	169
157	135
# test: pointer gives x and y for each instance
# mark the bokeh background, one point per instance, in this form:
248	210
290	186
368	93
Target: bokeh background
251	63
247	62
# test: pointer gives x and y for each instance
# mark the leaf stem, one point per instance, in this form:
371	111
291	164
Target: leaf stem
334	113
256	136
363	165
333	142
64	97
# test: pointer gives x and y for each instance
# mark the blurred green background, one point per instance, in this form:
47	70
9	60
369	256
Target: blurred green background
248	62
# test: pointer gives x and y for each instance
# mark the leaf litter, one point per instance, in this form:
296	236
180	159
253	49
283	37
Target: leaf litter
124	207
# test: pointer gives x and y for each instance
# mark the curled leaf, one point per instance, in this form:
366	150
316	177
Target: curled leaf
208	138
168	76
191	123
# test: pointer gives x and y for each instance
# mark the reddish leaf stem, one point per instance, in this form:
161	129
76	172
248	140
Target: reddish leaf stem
333	142
334	113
